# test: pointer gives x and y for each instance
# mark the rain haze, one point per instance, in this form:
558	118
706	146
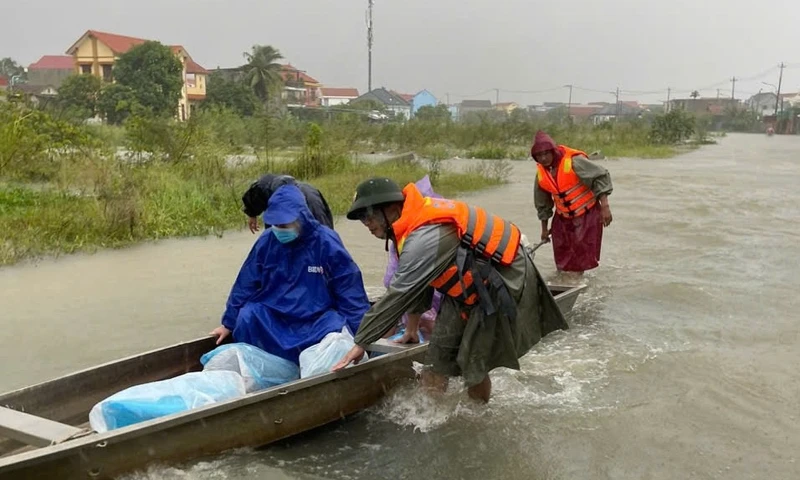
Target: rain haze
681	357
465	48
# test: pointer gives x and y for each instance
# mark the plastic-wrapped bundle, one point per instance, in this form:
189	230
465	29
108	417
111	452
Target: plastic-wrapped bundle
157	399
320	358
259	369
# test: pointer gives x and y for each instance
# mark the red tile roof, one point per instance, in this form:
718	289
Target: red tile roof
120	44
339	92
405	96
3	81
194	67
53	62
290	72
117	43
583	111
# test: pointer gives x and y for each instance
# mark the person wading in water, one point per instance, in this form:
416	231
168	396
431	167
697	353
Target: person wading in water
578	189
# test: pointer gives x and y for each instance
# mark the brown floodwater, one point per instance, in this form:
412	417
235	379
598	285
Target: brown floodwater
682	363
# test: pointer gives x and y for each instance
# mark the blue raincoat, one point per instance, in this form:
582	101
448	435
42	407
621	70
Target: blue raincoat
287	297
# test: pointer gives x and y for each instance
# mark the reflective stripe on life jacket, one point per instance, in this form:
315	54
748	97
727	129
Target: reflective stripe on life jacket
571	197
487	235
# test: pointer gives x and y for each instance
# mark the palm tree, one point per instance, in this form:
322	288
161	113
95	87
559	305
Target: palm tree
262	73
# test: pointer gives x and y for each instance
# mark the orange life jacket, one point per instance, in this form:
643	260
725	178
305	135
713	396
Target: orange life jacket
485	234
571	197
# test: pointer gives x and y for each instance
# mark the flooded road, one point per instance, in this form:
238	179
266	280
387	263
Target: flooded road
682	363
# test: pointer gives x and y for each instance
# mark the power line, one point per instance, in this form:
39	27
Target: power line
671	92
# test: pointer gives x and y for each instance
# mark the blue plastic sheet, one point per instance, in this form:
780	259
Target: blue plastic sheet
157	399
259	369
229	371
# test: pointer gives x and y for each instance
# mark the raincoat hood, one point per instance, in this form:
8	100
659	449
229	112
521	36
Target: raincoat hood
288	204
542	143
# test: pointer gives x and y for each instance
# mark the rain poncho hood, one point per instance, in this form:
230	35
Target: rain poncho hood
285	206
542	142
287	297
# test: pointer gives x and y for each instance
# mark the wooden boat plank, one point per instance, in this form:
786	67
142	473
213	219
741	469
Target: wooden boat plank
77	392
256	419
386	346
33	430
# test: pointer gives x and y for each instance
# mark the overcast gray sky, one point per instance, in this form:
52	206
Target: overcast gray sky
461	47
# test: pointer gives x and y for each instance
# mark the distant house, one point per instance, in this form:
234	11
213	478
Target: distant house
763	104
610	112
300	89
51	70
391	101
701	105
408	97
96	52
3	83
36	94
579	113
467	107
421	99
332	96
792	99
506	107
453	109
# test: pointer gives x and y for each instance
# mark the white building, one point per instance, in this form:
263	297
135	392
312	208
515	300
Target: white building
332	96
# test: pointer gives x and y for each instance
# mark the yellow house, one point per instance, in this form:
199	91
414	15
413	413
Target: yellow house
95	53
507	107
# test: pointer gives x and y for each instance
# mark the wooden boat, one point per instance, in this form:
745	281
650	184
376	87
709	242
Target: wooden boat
44	432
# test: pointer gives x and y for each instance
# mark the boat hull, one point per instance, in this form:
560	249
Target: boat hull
254	420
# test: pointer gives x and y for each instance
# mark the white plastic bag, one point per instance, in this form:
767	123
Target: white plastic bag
260	369
157	399
320	358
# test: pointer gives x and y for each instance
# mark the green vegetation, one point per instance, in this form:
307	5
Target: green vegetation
147	81
66	188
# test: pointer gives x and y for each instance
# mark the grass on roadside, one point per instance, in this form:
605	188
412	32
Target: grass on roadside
130	204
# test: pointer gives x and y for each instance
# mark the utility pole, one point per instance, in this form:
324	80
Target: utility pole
733	87
718	94
496	96
369	45
448	99
616	117
778	95
669	91
569	102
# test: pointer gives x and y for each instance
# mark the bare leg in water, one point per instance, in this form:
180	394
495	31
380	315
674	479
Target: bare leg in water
437	385
481	391
434	382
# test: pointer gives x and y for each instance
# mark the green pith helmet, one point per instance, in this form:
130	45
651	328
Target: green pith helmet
372	192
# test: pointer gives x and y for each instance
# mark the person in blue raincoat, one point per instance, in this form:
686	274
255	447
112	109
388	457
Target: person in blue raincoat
297	285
